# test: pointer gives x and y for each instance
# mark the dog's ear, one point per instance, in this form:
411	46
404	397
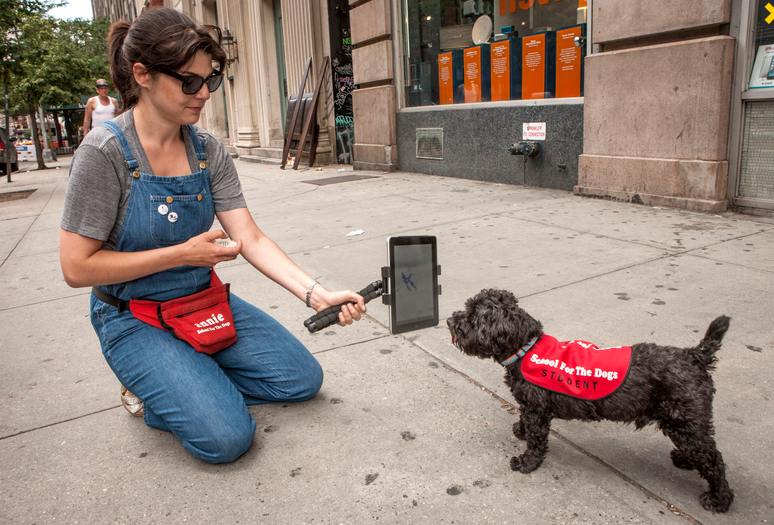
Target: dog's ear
493	331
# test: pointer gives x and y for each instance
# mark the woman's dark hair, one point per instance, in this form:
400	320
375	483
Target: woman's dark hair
161	38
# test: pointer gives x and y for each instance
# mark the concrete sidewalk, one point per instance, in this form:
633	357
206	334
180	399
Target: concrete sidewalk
406	428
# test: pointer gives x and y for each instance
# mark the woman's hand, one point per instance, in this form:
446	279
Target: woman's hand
202	250
351	312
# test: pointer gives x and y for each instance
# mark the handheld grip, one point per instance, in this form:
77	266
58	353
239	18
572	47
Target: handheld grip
331	314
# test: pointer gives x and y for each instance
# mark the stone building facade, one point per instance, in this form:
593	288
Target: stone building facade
673	108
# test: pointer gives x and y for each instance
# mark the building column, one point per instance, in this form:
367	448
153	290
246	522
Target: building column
374	102
657	104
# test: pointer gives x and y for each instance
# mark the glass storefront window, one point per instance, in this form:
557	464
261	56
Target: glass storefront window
762	75
463	51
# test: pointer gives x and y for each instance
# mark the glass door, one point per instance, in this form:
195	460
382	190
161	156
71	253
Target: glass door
751	155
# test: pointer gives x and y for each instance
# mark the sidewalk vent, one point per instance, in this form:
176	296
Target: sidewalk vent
430	143
16	195
756	175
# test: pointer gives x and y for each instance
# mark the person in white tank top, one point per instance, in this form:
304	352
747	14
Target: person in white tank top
99	109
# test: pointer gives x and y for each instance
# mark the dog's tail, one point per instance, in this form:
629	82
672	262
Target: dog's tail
706	350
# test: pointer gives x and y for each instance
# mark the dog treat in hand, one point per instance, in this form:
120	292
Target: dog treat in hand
226	243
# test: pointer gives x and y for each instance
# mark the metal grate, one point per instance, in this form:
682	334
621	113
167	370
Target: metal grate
756	178
430	143
337	180
16	195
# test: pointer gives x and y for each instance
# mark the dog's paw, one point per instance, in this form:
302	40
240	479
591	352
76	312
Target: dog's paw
524	464
681	460
518	430
717	502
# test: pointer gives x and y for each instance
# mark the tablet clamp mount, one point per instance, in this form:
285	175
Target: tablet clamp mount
330	315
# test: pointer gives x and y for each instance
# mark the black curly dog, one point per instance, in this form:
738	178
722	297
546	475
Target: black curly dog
668	386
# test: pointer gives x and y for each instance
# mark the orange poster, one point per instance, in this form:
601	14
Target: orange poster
503	7
445	78
501	70
473	75
569	61
533	67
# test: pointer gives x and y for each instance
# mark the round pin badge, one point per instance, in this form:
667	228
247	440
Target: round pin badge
163	209
172	217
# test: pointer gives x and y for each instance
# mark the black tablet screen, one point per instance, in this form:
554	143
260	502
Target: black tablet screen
415	283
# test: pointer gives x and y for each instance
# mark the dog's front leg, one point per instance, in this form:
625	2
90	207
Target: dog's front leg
518	427
534	426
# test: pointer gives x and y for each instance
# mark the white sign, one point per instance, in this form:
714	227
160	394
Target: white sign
534	131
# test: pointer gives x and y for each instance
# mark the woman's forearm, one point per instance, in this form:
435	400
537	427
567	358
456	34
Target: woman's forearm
85	263
270	260
81	269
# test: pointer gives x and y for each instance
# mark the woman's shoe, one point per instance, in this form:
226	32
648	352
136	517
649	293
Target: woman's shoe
132	403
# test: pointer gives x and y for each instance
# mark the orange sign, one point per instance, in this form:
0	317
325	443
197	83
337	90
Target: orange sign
527	4
445	78
473	75
501	70
533	66
568	63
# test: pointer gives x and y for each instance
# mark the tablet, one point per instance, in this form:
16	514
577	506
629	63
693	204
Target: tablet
413	282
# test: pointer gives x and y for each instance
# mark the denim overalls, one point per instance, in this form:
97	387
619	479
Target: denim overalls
200	398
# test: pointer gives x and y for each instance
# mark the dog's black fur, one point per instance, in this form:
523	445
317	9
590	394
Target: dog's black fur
668	386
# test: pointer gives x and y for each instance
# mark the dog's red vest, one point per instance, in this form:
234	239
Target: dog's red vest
576	368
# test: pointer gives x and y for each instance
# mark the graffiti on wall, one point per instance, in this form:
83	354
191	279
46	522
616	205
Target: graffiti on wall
342	103
343	79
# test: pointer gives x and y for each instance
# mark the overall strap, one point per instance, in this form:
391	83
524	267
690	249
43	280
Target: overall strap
201	153
129	160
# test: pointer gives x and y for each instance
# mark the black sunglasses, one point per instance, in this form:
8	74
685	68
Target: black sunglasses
193	83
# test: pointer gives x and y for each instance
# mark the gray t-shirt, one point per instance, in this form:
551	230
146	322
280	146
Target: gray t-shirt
99	186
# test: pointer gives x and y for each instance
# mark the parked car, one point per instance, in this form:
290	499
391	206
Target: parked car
7	153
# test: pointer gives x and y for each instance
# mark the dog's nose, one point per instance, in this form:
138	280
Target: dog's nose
449	322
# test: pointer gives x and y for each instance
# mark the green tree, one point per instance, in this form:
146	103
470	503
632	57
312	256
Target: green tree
90	36
12	13
51	68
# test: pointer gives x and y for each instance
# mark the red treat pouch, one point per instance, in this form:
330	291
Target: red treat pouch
203	320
